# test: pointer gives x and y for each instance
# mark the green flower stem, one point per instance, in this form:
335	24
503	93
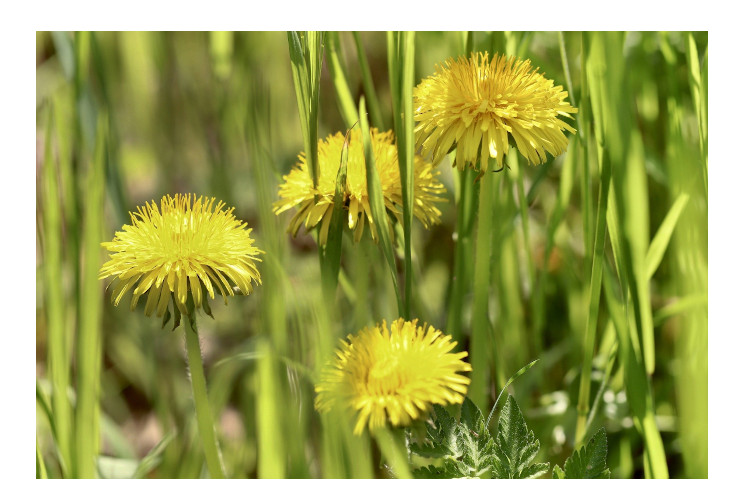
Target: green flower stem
392	444
480	333
200	395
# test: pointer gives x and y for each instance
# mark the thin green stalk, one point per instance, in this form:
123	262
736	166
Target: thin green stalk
401	74
462	263
368	84
58	351
392	444
481	330
566	68
465	200
89	342
344	98
200	397
594	293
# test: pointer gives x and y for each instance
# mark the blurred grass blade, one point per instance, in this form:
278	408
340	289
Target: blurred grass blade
154	457
344	97
41	469
221	46
664	235
698	93
680	306
89	342
59	354
373	103
377	205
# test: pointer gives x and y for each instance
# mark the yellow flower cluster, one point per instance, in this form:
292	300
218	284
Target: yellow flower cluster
187	246
393	375
480	107
315	205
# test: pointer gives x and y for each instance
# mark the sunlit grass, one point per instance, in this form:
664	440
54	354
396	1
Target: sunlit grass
595	262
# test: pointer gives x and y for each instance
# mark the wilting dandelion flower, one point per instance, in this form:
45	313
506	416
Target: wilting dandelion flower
189	246
393	376
298	189
480	104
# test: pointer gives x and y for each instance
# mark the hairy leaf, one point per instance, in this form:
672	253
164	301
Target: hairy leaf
517	446
590	462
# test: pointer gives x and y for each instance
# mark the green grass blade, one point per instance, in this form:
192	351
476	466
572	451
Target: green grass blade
401	63
89	342
154	457
663	235
377	205
41	469
300	75
332	252
594	293
368	84
344	97
59	356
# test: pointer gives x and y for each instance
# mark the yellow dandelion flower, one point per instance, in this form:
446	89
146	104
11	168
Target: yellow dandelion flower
474	104
298	190
393	376
190	246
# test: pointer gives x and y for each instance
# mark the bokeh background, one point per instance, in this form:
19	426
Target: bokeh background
126	117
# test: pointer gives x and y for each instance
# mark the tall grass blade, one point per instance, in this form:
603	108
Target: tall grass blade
401	74
344	97
663	235
377	205
373	103
59	354
89	341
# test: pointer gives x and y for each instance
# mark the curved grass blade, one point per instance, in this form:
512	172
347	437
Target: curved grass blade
510	381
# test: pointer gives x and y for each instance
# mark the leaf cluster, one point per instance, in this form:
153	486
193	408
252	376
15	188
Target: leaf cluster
466	448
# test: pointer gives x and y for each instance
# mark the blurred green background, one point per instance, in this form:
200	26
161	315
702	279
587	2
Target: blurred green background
126	117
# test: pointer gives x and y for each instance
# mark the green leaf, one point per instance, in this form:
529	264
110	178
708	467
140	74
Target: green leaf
557	473
590	462
517	446
659	244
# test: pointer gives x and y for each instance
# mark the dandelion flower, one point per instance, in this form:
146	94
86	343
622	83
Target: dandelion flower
298	190
393	376
189	246
481	106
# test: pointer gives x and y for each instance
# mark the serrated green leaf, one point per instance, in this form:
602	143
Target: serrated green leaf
590	462
471	417
557	473
478	451
517	446
442	436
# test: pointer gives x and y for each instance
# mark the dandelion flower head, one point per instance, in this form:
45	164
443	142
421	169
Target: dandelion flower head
393	375
482	106
298	189
186	246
